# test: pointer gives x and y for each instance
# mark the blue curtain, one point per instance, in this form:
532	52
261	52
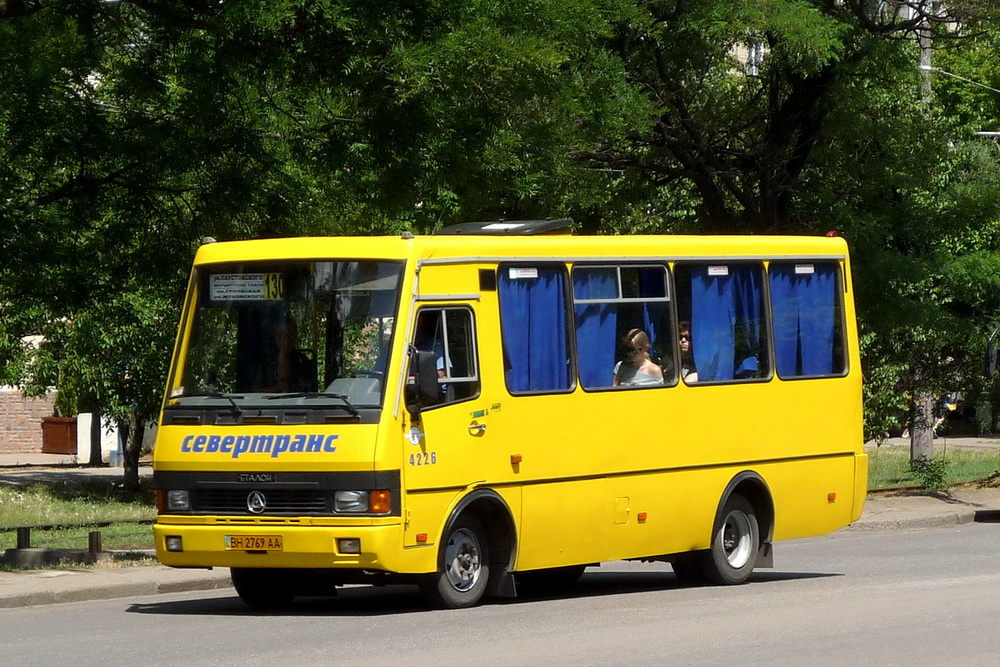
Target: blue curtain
804	312
596	343
713	318
596	325
652	286
723	306
533	318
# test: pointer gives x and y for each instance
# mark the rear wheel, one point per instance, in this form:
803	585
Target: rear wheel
464	569
735	544
263	588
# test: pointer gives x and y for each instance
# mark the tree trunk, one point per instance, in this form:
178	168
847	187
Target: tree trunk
132	431
96	455
922	429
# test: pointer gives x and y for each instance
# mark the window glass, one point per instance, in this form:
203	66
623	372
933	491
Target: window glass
533	320
450	334
721	308
808	326
624	331
273	333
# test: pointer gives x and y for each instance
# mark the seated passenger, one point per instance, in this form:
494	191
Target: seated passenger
688	370
637	368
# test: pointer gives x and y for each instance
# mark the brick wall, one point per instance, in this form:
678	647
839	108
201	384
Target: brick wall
21	421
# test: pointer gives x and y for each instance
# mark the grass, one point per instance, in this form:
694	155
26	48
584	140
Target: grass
889	466
94	501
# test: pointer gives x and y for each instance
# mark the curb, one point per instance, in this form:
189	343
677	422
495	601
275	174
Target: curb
957	518
113	591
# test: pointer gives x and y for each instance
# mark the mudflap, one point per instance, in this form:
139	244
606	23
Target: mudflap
765	556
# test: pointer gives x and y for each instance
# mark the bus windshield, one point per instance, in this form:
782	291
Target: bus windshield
303	333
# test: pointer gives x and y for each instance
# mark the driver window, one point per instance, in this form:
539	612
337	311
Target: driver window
450	334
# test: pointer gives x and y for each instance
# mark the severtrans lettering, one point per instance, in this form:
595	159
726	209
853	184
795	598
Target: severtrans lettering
282	445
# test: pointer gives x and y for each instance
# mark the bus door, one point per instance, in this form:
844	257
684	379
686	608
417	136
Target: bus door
443	446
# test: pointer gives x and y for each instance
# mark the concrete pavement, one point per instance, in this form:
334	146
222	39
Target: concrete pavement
883	511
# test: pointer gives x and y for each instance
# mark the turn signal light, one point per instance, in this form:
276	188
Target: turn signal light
380	501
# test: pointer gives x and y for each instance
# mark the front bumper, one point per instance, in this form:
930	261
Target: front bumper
303	546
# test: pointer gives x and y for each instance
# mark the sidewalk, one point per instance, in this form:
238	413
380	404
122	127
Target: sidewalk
38	587
882	512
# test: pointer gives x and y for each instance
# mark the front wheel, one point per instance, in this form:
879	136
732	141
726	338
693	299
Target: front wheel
735	544
464	568
263	588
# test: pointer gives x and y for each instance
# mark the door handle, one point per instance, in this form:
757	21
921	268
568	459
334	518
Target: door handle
477	429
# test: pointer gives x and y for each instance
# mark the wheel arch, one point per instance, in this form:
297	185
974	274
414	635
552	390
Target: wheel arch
751	486
494	514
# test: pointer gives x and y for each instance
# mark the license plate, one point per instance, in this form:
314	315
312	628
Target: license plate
254	543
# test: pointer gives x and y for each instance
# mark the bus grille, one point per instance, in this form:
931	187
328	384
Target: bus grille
279	501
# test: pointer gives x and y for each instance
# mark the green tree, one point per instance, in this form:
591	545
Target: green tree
131	129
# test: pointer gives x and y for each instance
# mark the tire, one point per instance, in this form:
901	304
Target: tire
463	568
263	588
735	544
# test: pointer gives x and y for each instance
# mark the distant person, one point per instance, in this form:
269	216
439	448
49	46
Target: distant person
637	369
688	369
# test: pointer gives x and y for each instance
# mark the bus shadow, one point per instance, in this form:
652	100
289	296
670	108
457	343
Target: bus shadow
394	600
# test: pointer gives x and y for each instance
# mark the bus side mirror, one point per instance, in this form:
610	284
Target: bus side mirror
425	389
991	360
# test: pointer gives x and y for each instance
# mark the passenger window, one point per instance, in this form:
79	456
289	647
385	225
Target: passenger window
808	322
721	307
450	334
534	328
624	330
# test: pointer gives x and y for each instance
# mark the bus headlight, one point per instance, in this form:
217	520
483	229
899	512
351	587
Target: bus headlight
178	500
378	501
350	501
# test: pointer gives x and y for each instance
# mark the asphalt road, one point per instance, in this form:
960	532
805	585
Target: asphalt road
894	598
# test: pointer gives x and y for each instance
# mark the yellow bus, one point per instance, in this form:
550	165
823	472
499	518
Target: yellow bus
504	404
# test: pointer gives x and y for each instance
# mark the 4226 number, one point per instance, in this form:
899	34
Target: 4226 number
423	459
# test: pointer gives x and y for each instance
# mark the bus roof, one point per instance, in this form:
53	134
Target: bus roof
505	248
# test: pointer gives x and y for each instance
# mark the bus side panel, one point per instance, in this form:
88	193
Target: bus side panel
648	515
812	496
668	512
633	516
565	523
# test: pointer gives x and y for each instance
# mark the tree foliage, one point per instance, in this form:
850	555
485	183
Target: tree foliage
129	129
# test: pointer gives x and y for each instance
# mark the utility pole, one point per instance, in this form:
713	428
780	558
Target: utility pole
922	419
924	40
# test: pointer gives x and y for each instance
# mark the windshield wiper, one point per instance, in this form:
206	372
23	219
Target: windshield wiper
318	394
214	394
